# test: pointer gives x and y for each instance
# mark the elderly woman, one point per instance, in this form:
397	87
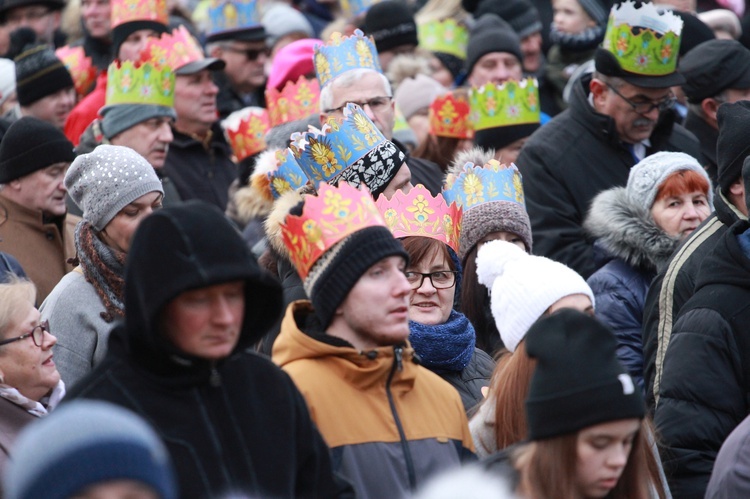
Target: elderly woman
30	385
116	188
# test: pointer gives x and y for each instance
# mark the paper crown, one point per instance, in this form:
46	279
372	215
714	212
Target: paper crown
80	67
296	101
510	103
643	40
125	11
139	83
419	213
323	154
173	50
447	37
329	217
228	15
475	185
354	8
246	130
344	53
449	117
288	176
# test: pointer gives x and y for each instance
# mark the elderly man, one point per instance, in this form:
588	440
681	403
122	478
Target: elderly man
615	119
42	16
34	157
494	52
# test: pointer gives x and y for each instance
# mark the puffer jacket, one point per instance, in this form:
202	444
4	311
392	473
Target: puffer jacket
639	248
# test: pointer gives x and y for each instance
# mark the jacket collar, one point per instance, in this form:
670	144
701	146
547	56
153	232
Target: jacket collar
706	134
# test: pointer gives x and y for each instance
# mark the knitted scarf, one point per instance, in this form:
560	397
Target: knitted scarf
444	347
577	42
104	268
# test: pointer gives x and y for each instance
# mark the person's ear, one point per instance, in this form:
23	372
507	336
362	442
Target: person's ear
710	107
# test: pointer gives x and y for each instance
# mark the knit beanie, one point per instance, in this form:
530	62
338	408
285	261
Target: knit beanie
338	270
522	287
648	174
281	19
7	79
417	93
85	443
493	216
732	146
116	119
491	34
39	73
694	32
391	24
578	381
121	32
452	63
108	179
291	62
29	145
597	10
520	14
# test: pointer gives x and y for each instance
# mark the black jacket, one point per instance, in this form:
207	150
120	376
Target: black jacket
229	101
707	136
470	381
706	380
423	171
570	160
233	425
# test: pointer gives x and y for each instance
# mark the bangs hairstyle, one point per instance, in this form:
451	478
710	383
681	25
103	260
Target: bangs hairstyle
15	296
682	182
421	248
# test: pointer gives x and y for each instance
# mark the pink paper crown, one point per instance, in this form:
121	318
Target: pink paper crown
296	101
80	67
246	131
173	50
328	218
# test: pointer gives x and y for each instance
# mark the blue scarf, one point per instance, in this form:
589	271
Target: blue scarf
444	347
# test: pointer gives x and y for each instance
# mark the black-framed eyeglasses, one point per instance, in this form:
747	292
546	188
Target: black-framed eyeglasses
250	54
442	279
646	107
377	104
37	335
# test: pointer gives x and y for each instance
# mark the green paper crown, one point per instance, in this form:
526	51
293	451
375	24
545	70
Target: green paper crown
643	41
511	103
135	83
448	37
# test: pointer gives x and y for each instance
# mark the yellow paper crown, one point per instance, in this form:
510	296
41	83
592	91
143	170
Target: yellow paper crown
80	67
419	213
246	130
344	53
173	50
449	117
329	217
296	101
125	11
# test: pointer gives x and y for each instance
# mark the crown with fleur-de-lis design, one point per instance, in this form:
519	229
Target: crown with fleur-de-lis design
344	53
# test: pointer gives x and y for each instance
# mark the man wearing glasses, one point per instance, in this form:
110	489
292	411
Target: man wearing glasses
43	17
617	116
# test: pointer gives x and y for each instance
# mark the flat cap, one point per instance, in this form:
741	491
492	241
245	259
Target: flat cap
713	67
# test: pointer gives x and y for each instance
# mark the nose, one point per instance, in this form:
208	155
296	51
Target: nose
401	285
50	340
165	133
427	288
618	458
369	112
690	211
501	74
222	311
211	88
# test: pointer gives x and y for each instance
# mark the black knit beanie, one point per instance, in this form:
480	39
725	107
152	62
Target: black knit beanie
121	32
520	14
732	146
29	145
39	73
499	137
391	24
491	34
338	270
578	381
452	63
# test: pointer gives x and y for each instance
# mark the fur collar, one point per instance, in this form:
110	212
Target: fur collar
628	232
276	217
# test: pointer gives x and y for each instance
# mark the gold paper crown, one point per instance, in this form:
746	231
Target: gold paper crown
296	101
173	50
328	218
449	117
80	67
246	130
344	53
474	185
125	11
418	213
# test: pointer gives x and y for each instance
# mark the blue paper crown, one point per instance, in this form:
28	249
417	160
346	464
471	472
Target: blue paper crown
227	15
288	175
342	54
323	154
482	184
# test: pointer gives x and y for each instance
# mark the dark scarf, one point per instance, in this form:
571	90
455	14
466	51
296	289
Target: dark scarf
577	42
104	268
444	347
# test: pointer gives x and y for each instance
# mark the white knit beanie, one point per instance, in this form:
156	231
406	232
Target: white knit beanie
648	174
522	287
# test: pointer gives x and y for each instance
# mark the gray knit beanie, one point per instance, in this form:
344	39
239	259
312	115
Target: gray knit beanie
108	179
117	119
417	93
494	216
647	176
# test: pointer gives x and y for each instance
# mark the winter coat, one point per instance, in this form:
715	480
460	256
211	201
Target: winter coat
237	424
86	111
391	424
13	419
423	171
704	387
39	246
229	101
470	381
674	286
707	136
628	233
570	160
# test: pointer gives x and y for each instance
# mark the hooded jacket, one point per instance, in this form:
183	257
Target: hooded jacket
638	248
236	425
390	423
706	378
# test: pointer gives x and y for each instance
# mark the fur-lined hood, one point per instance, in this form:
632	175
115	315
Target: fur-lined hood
475	155
628	231
281	209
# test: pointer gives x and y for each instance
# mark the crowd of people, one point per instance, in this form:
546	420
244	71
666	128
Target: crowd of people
395	248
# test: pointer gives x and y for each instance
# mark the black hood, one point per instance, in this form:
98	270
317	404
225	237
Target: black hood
726	264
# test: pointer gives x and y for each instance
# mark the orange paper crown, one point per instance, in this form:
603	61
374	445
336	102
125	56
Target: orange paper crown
80	67
418	213
246	131
296	101
173	50
125	11
329	217
449	117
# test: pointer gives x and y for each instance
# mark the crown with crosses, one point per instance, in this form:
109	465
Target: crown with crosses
246	130
344	53
296	100
80	67
139	83
510	103
449	117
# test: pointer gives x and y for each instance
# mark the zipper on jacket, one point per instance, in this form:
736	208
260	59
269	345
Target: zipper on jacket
398	364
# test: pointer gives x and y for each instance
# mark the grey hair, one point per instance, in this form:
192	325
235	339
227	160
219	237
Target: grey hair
613	81
346	80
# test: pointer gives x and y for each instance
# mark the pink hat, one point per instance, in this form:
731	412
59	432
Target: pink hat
292	61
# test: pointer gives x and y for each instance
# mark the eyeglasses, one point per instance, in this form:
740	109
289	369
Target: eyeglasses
250	54
646	107
442	279
29	16
37	335
377	104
